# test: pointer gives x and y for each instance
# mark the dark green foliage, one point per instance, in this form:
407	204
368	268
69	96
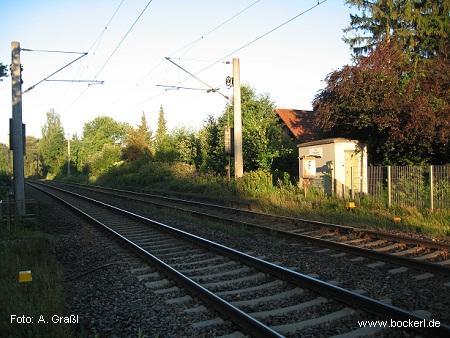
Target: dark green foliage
52	145
100	147
3	71
175	176
138	142
265	145
420	27
5	184
255	182
262	135
33	158
161	131
401	110
5	159
213	158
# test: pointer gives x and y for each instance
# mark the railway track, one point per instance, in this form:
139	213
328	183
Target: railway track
423	255
261	298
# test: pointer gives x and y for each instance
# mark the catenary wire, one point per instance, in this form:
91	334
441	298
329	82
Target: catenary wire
113	52
256	39
92	50
215	28
243	46
212	30
123	39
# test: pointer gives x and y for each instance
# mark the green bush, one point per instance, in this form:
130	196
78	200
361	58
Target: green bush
5	184
256	182
283	197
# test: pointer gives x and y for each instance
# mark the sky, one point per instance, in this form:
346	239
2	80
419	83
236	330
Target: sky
289	64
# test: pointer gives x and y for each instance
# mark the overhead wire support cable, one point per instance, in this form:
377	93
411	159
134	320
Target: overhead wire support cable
57	71
90	81
50	51
168	87
123	39
258	38
212	89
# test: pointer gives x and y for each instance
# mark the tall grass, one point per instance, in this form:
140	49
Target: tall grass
29	250
281	197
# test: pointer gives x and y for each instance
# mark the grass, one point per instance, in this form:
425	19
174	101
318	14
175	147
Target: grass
30	249
367	214
283	198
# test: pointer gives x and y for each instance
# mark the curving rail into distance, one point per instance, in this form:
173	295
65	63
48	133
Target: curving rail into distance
217	275
419	254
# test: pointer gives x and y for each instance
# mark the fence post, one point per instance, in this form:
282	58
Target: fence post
431	188
389	186
333	183
351	184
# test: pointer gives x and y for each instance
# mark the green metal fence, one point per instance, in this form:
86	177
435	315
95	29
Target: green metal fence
410	186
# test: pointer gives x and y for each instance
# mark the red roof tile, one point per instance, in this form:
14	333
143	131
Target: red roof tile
300	123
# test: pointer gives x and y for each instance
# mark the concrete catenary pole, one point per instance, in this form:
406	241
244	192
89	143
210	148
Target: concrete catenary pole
238	162
68	155
17	131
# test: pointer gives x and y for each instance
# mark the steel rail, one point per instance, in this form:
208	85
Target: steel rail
242	319
344	228
355	250
350	298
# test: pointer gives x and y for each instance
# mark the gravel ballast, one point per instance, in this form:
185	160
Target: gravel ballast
402	289
101	287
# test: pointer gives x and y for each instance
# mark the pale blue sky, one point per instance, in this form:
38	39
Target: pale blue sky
290	64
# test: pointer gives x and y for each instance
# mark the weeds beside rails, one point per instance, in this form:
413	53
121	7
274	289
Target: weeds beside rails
284	198
26	249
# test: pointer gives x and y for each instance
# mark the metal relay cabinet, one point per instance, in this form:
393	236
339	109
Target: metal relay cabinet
340	166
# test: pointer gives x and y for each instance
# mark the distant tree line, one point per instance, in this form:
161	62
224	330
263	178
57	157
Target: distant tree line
106	143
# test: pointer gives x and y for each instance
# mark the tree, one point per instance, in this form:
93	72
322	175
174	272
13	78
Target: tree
137	142
263	139
3	71
5	159
76	146
212	151
104	160
401	110
187	146
52	145
33	159
161	131
96	133
419	26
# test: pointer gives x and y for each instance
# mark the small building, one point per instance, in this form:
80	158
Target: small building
338	165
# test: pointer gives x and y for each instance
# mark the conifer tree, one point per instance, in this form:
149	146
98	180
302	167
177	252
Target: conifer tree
137	142
161	131
420	27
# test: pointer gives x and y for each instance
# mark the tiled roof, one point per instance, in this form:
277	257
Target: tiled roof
300	123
